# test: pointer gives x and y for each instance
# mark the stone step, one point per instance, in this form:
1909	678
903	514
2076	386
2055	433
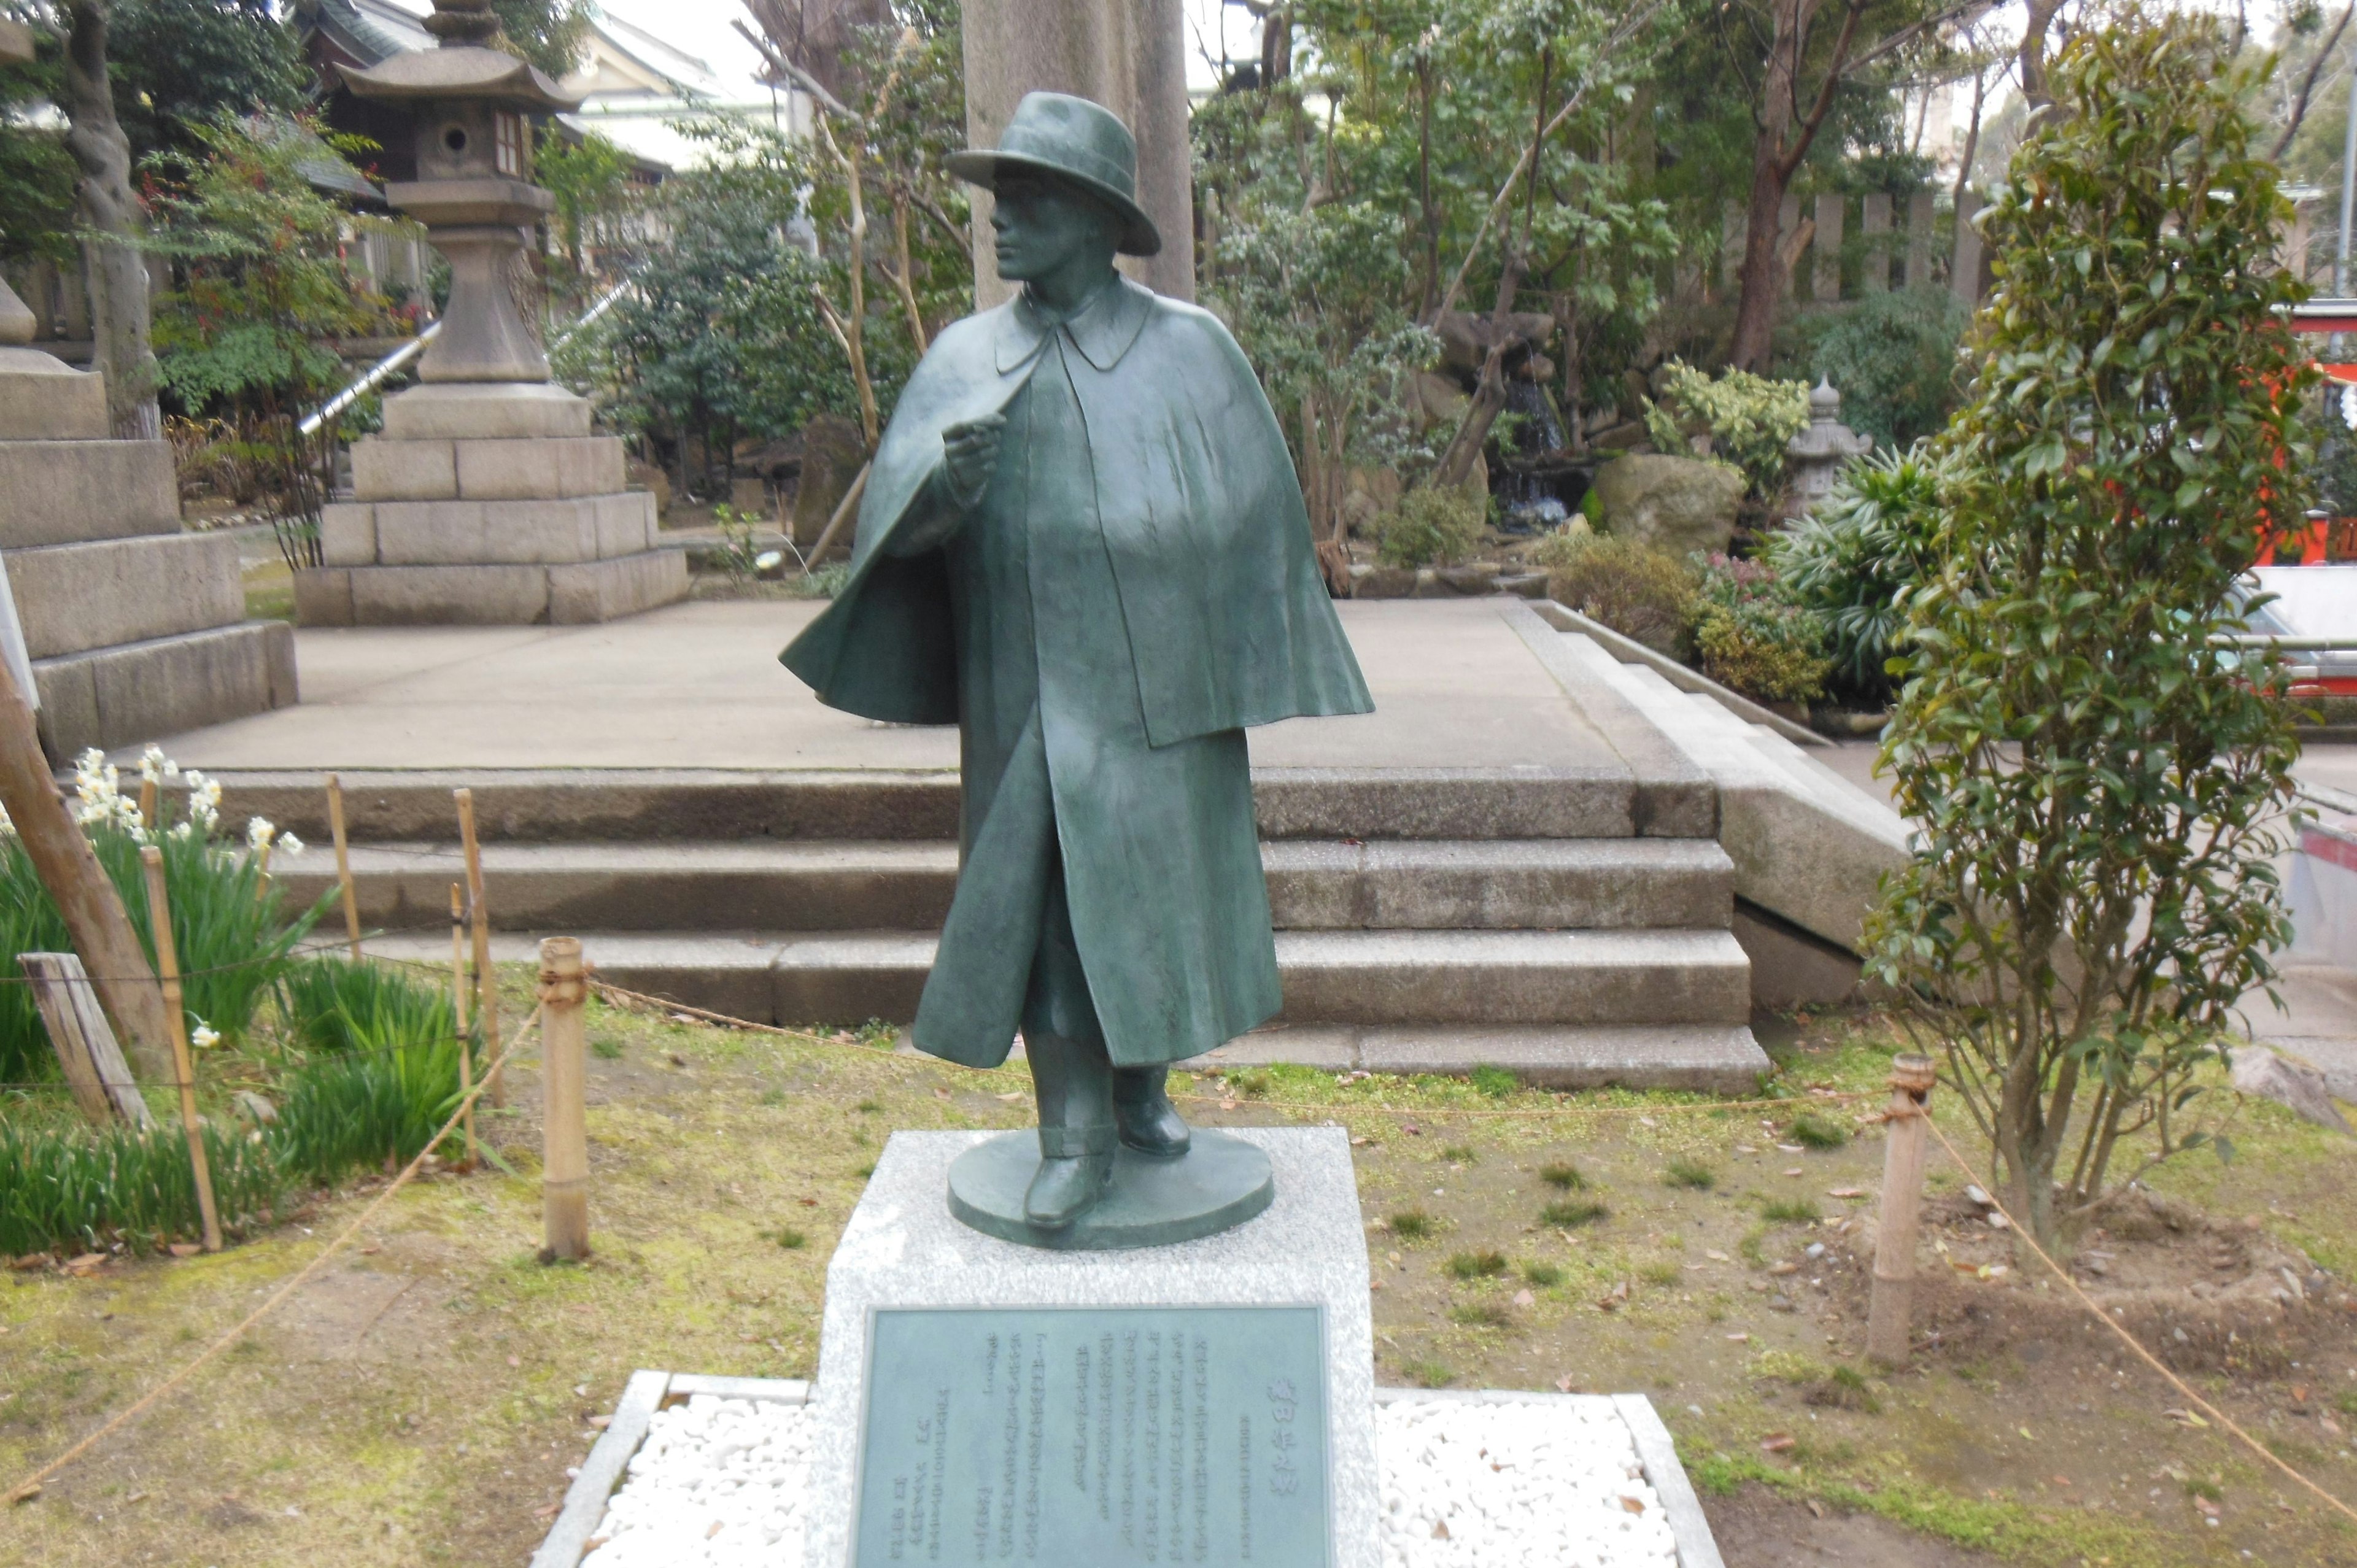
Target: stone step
1492	978
122	695
1485	884
570	805
1710	1059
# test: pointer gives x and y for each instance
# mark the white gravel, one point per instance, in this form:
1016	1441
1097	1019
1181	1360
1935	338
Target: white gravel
1539	1483
717	1484
1517	1485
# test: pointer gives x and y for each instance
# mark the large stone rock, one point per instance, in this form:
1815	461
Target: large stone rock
833	451
44	399
74	598
138	690
1677	504
64	492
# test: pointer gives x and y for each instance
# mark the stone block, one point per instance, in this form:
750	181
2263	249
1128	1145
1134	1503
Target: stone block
347	531
385	471
626	524
449	533
484	411
139	691
903	1250
72	597
450	595
64	492
44	399
546	468
323	596
603	590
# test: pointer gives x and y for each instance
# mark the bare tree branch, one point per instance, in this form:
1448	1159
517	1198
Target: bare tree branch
2324	54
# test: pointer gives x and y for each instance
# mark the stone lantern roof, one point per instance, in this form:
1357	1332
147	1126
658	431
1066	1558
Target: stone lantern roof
462	71
1826	439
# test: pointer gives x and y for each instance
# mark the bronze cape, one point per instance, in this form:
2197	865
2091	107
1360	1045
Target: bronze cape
1136	586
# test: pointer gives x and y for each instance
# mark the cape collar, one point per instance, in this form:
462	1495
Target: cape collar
1103	331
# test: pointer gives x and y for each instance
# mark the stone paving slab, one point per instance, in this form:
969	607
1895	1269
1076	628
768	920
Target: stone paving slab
698	685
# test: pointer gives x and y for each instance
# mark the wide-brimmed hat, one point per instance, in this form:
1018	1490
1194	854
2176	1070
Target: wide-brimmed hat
1073	139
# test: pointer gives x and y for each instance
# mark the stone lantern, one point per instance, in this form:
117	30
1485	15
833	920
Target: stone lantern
1815	456
486	500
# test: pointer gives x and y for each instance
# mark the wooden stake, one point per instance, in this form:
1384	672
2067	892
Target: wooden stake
68	869
85	1045
148	802
1887	1330
458	1009
344	863
167	965
486	982
565	1148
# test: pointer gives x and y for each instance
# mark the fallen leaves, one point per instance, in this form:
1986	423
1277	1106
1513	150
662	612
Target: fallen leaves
1631	1505
1845	1192
1780	1443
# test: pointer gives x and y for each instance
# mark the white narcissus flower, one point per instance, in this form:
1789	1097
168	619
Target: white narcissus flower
204	1037
259	832
289	844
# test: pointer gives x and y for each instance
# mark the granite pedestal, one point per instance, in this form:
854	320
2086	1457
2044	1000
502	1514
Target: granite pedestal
1200	1401
487	504
135	629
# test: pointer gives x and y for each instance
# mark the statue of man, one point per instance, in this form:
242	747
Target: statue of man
1084	542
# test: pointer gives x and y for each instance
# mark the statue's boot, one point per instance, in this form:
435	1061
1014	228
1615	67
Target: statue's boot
1142	1110
1075	1166
1077	1135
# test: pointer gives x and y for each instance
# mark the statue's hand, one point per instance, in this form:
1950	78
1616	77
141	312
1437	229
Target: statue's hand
970	451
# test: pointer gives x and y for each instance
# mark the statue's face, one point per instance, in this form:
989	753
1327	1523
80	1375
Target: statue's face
1044	224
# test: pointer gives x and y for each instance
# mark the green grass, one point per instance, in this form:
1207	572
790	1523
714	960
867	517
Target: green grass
1481	1315
1563	1175
868	1108
334	1007
1789	1211
789	1238
1494	1081
371	1108
68	1188
1540	1274
1459	1154
1569	1213
1812	1131
1660	1273
1845	1388
1427	1374
1413	1225
605	1048
1480	1266
1689	1172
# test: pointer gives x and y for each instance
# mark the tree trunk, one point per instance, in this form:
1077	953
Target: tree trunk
2039	20
1771	172
118	267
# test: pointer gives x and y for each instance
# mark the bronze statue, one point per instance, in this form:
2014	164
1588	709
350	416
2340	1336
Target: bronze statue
1084	542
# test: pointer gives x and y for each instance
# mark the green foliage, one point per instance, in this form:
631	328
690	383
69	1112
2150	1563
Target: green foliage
2097	790
242	339
1753	638
1496	1082
230	928
1569	1213
590	179
1684	1171
1789	1211
1563	1175
1487	1264
1427	1374
65	1187
551	34
1852	560
1815	1132
333	1007
1749	420
1412	1225
1893	356
37	173
1540	1274
181	65
1480	1313
377	1105
1635	589
1433	526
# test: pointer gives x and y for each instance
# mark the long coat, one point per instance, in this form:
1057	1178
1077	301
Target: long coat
1136	588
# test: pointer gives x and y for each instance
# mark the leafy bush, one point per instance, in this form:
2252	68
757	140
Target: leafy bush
1892	356
2098	792
233	934
342	1114
1851	561
1754	640
1635	589
1434	525
1749	419
65	1186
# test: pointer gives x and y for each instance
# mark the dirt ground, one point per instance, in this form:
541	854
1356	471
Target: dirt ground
422	1400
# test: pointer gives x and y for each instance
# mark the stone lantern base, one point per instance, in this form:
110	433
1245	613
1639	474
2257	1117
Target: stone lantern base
135	629
487	504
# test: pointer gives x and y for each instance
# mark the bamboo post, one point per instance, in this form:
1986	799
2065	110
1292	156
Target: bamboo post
148	803
93	911
344	863
564	1164
1887	1330
458	1009
184	1071
486	982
